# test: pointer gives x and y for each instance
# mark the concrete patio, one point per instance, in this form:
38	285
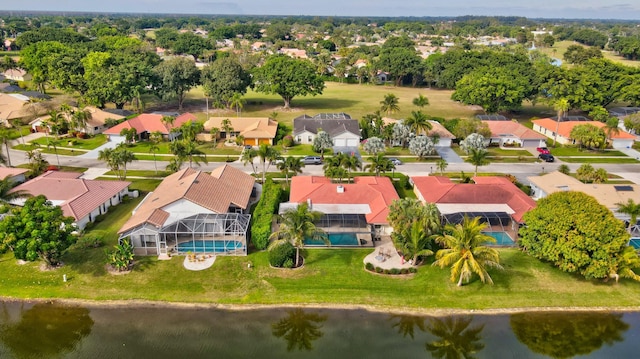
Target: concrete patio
386	256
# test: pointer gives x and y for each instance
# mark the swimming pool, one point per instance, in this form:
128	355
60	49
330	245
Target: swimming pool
208	246
502	239
635	242
336	239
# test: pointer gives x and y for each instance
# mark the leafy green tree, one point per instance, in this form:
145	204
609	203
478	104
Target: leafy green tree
176	77
288	78
295	226
464	127
456	339
478	157
299	329
564	169
129	134
589	136
441	165
399	57
278	31
191	44
567	335
574	232
37	230
414	225
585	173
374	145
36	59
223	78
577	54
389	104
379	163
465	253
322	142
632	209
632	122
421	146
121	257
290	166
190	130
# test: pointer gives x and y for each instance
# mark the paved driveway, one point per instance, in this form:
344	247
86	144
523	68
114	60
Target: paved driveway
93	154
449	155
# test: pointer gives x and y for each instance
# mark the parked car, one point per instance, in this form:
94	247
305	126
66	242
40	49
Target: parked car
312	160
546	157
395	161
543	150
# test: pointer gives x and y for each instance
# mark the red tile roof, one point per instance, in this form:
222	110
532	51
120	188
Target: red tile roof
499	128
150	122
76	196
216	192
11	172
377	192
565	127
486	190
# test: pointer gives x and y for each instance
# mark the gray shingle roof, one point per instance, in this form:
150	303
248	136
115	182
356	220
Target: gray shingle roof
332	123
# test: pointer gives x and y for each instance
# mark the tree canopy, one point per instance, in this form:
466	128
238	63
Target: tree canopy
224	78
176	77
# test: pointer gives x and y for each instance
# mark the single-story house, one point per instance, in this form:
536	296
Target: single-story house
17	175
147	123
80	198
12	106
255	130
495	200
547	127
295	53
343	130
507	133
17	75
438	131
360	208
193	211
608	195
95	124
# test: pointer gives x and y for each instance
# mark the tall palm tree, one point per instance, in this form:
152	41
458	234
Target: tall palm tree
464	252
441	165
5	139
419	123
17	124
389	104
214	135
267	154
79	120
236	101
6	195
478	157
457	340
248	155
379	163
351	163
153	149
418	242
296	225
632	209
290	165
611	128
123	156
561	106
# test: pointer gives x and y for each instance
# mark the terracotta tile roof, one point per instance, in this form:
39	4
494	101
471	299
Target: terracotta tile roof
216	192
486	190
11	107
377	192
150	122
248	127
98	116
565	127
10	172
76	196
500	128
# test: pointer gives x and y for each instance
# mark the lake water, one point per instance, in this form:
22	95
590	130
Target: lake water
29	330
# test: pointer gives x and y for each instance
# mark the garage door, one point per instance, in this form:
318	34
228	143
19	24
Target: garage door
340	142
264	141
117	138
352	142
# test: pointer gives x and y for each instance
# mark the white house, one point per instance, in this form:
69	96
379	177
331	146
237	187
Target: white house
343	130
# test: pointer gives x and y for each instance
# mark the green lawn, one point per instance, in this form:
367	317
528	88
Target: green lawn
575	151
50	150
72	142
560	47
597	160
142	173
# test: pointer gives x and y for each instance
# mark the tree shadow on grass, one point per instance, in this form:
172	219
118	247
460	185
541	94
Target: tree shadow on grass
90	261
143	263
319	255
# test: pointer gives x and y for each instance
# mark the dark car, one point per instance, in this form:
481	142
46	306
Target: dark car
546	157
395	161
312	160
543	150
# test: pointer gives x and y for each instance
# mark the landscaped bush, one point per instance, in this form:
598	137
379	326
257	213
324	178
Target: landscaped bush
287	141
378	270
404	271
394	271
263	214
413	269
280	255
369	266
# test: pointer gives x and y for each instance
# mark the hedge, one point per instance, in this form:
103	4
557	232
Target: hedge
263	214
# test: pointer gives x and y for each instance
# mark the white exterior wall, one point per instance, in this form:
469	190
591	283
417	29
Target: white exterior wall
183	208
561	140
346	139
305	138
622	143
537	193
444	142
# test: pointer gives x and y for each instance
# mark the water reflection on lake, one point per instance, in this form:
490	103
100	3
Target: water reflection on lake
41	330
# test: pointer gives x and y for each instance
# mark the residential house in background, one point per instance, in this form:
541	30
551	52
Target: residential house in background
343	130
17	175
496	200
193	211
511	133
95	124
255	130
80	198
17	75
147	123
547	127
359	208
442	136
12	106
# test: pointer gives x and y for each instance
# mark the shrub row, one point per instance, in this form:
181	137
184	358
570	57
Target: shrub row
263	214
282	256
394	271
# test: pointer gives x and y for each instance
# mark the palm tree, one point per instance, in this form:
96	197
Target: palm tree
421	101
418	242
123	156
611	128
267	155
291	165
600	176
478	157
248	155
564	169
6	195
236	101
351	163
227	128
295	226
299	329
379	163
37	163
17	124
168	122
418	122
561	106
632	209
79	120
389	104
457	340
5	139
628	261
214	135
464	252
153	148
441	165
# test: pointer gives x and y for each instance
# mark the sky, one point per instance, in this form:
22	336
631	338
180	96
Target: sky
575	9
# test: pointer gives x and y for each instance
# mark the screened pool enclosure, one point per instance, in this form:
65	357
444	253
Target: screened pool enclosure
209	233
497	222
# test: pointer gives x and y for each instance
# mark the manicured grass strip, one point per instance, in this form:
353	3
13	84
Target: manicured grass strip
73	142
50	150
574	151
597	160
142	173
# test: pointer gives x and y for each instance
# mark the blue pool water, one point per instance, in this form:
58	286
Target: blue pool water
502	239
208	246
635	242
336	239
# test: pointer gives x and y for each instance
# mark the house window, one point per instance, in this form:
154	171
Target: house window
298	139
309	138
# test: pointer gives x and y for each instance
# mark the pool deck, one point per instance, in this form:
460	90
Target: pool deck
202	262
386	256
